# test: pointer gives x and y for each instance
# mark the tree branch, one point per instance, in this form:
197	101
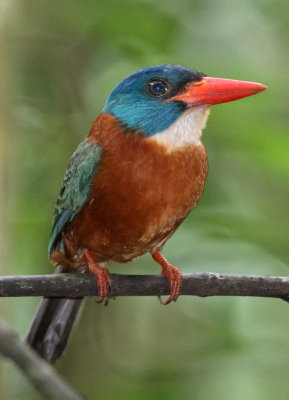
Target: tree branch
42	376
198	284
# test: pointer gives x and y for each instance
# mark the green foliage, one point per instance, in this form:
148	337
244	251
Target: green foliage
60	60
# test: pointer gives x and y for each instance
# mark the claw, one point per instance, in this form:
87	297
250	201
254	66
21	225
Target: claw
102	278
173	276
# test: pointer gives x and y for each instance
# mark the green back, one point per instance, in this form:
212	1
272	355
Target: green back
75	189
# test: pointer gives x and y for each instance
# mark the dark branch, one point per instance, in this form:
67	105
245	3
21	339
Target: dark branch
199	284
41	375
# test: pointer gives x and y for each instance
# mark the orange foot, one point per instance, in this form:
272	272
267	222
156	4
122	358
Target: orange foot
102	277
172	274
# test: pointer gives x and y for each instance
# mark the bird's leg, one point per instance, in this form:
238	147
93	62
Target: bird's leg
102	277
172	274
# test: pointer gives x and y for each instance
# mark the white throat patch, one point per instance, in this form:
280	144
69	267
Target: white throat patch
186	130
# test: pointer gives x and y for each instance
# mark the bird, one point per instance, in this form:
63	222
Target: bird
130	184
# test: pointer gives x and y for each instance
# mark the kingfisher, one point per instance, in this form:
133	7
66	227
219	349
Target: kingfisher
133	181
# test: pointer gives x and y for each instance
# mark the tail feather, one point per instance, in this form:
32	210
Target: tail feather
52	325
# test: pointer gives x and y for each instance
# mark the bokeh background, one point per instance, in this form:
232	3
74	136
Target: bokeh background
59	61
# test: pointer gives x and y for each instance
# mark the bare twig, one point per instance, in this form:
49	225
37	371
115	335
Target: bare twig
198	284
41	375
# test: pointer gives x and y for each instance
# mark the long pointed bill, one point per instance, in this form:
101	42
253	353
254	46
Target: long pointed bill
212	91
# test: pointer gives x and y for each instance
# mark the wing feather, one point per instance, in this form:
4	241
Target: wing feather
74	193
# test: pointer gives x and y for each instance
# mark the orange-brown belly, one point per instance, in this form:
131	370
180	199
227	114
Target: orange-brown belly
139	197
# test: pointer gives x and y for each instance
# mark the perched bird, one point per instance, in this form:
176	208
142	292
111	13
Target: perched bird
131	183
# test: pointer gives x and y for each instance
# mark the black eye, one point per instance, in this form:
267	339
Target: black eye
158	87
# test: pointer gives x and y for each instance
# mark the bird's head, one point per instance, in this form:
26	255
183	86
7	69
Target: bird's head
155	99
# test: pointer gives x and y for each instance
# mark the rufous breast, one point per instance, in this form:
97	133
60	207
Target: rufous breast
140	194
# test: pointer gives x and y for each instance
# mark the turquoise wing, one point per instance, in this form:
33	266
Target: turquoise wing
75	189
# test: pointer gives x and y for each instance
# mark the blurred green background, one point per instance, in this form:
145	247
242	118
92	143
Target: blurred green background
59	61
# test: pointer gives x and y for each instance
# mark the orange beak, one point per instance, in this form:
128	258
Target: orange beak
212	91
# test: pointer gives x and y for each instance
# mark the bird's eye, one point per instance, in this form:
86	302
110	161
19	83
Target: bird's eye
158	87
